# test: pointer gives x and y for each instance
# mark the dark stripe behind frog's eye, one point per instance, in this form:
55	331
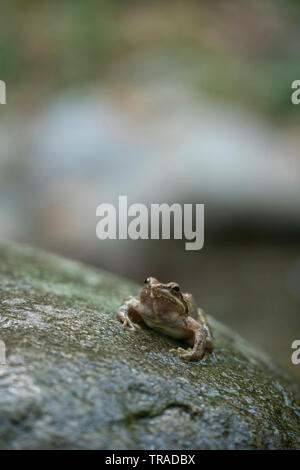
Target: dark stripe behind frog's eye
176	288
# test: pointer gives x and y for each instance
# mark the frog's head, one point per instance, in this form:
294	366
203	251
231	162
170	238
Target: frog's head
163	297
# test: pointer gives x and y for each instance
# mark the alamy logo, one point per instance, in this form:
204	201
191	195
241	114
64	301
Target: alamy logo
296	354
2	92
295	97
114	224
2	353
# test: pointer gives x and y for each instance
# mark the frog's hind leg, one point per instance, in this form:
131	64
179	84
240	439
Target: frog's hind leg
201	339
128	313
197	341
209	342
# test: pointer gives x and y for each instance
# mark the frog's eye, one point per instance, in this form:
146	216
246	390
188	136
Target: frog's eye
175	288
147	280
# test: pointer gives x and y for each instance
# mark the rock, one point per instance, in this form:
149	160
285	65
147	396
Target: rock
74	379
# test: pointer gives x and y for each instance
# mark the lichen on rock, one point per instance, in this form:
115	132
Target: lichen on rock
75	379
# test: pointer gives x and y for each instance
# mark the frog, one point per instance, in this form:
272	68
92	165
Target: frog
168	310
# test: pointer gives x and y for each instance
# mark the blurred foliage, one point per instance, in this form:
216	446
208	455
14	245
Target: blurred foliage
240	50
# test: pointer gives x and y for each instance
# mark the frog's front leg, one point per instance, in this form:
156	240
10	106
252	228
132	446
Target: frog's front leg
128	311
198	340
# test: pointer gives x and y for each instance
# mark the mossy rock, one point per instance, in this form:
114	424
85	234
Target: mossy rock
74	379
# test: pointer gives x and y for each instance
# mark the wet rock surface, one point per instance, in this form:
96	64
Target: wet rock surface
74	379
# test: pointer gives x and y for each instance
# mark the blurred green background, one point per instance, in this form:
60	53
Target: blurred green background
165	102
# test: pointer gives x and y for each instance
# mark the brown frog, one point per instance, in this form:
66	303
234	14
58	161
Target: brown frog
166	309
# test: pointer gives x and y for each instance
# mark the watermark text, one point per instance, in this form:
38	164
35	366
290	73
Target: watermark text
137	222
296	353
2	353
2	92
295	97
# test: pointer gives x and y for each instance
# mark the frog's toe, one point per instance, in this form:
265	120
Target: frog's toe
178	351
130	325
187	354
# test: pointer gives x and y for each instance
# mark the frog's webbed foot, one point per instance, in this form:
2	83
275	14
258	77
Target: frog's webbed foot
182	353
127	309
188	355
178	351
